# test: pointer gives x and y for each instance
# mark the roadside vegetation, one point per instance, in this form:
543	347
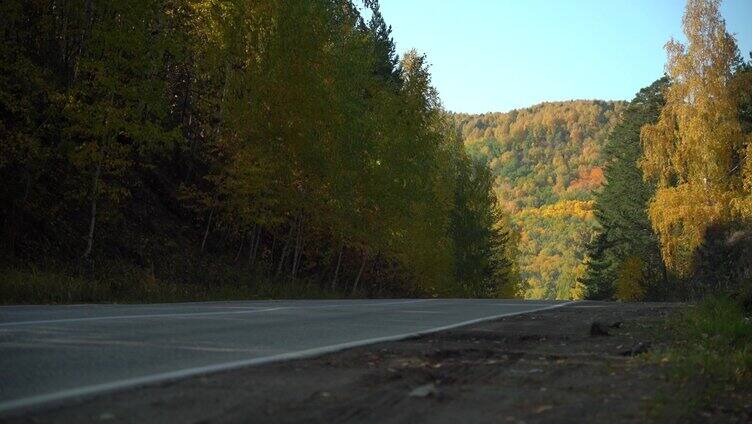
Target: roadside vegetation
675	214
198	145
708	359
30	284
674	218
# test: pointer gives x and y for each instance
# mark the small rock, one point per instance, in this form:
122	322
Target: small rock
107	416
638	349
425	390
616	324
599	329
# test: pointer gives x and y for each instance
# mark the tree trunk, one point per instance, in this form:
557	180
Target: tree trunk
336	269
664	275
240	249
274	247
360	273
298	247
257	244
285	249
93	220
251	251
206	233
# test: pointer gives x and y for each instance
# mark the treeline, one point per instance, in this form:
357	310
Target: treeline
675	215
286	139
547	161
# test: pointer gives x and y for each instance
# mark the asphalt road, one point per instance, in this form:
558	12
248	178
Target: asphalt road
51	354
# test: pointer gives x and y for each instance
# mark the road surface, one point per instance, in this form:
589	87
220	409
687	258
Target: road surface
52	353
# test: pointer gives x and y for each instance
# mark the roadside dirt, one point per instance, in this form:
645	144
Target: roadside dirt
539	367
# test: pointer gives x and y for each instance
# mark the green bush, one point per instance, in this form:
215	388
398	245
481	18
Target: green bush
712	348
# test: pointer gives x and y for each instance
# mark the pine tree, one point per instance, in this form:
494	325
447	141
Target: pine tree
620	207
386	60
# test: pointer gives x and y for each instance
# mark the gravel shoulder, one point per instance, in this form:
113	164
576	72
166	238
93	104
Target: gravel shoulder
539	367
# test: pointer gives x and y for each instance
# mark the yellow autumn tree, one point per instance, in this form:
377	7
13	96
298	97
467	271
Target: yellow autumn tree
692	152
629	280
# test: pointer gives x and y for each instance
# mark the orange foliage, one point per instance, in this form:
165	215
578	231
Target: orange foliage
589	179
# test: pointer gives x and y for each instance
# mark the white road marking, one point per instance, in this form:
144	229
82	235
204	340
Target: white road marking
419	312
591	306
191	372
247	310
118	317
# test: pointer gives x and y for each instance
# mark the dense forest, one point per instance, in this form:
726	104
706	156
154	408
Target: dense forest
675	214
263	148
547	161
240	146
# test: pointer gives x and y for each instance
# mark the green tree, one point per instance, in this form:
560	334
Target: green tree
621	206
483	264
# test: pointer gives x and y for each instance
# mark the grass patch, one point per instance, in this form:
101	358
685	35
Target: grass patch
124	284
710	357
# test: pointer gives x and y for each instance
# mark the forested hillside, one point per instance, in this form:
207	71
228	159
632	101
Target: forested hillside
235	145
547	161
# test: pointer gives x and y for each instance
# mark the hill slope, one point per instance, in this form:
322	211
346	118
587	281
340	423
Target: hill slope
547	164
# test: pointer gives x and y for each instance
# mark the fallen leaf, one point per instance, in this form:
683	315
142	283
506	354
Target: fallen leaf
543	408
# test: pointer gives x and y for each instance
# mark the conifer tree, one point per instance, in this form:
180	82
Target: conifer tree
620	207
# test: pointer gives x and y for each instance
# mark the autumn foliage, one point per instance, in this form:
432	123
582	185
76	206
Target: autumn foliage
696	152
287	141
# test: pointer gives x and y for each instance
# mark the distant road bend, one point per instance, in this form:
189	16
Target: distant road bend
52	353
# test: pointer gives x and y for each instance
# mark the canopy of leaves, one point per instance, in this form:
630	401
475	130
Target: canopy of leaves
288	132
697	153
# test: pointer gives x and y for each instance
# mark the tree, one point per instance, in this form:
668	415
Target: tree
385	59
621	206
695	153
629	285
484	264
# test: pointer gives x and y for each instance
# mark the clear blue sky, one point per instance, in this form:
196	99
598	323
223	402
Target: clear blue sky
497	55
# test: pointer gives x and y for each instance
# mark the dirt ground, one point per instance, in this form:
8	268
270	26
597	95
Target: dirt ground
539	367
